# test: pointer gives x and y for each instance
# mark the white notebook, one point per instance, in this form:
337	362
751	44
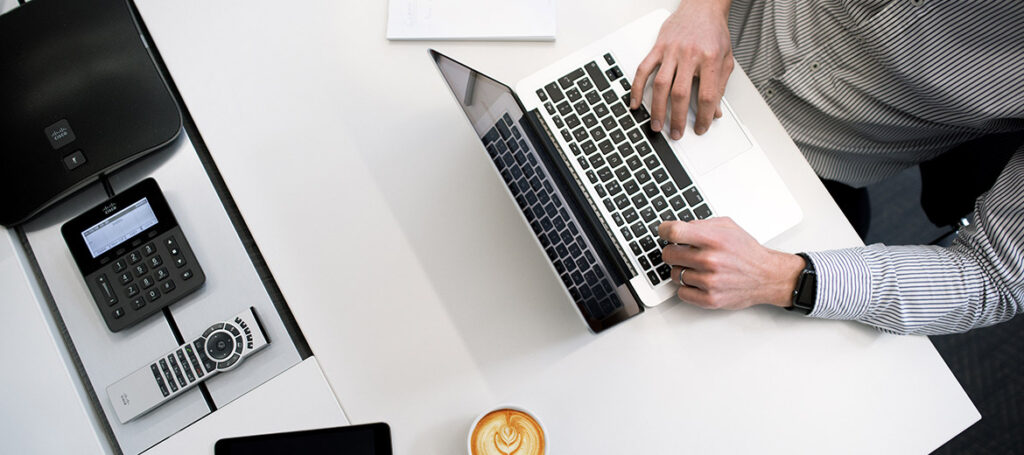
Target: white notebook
525	20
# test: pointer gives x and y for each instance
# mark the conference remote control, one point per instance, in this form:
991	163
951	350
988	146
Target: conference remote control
220	348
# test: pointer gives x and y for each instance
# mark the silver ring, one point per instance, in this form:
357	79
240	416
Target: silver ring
681	271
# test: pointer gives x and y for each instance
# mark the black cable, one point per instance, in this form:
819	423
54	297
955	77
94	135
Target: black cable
106	185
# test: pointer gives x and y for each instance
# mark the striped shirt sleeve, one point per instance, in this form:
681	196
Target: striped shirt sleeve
927	290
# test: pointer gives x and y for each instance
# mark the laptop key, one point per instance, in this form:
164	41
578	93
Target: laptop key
608	58
592	97
644	262
581	107
686	215
702	211
647	214
623	174
642	176
600	190
608	123
638	228
631	187
617	135
540	94
572	121
622	201
669	189
647	243
592	176
651	189
633	163
597	76
618	109
606	146
626	122
625	84
660	175
554	92
598	134
614	160
693	197
626	233
550	108
644	149
626	150
558	121
585	84
608	204
635	247
610	97
564	108
618	220
589	120
601	110
589	147
659	203
580	134
567	80
630	215
583	162
634	135
639	201
613	73
664	271
652	163
605	174
678	204
597	160
573	95
613	188
653	278
566	135
655	257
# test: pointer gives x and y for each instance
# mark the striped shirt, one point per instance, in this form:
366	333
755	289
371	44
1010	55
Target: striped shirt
869	88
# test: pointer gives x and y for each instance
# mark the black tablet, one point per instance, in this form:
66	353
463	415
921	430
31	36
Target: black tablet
369	439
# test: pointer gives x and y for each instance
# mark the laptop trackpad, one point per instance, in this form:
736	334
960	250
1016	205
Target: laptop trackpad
721	143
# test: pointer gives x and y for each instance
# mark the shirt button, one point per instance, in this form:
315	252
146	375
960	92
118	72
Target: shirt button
815	66
769	92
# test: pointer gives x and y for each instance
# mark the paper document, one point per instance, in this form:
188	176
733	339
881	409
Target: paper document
527	20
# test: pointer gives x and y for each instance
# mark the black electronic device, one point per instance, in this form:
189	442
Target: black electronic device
133	255
80	96
369	439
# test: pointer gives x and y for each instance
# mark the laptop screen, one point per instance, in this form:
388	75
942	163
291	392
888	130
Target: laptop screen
500	122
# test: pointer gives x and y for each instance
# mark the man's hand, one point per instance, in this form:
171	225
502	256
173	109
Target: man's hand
693	42
725	267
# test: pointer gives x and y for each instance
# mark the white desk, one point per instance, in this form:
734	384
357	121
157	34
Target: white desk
424	296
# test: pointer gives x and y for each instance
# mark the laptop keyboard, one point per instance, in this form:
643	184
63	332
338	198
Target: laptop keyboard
633	170
559	233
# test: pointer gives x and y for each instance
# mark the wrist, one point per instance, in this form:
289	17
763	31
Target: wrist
783	278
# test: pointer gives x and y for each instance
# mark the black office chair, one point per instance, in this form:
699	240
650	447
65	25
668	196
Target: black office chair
952	182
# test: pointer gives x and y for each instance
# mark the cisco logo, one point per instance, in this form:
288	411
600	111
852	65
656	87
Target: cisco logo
59	134
109	208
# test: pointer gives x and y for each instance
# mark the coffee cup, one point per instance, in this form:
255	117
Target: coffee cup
506	430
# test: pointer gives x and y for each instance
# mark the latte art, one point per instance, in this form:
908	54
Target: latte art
507	432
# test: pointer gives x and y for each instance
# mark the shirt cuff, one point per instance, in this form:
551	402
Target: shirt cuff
844	284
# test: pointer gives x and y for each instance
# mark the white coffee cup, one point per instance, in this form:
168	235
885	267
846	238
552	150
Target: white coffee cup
512	407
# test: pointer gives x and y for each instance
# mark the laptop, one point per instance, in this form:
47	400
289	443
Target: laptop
594	182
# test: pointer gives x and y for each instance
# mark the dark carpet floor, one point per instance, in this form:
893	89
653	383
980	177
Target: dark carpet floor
988	362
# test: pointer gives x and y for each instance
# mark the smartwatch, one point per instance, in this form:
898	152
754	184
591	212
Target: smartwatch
806	290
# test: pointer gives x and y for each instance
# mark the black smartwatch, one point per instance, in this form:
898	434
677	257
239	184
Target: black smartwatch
806	290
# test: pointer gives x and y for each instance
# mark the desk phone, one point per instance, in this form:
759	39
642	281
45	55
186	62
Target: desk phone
133	255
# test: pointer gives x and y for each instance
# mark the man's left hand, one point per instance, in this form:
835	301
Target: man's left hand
726	268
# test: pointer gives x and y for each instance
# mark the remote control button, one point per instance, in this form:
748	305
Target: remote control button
148	282
134	257
185	366
140	270
220	345
119	266
210	365
156	261
213	328
179	262
186	275
167	374
149	249
168	286
152	295
231	328
138	303
125	277
159	380
170	243
229	362
162	274
133	290
118	312
238	345
174	251
192	358
177	370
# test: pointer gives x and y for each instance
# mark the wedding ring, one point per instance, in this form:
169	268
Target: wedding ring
681	271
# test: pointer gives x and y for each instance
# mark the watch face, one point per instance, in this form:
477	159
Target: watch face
807	292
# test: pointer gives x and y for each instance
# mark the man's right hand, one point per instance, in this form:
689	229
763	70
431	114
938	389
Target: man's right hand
693	43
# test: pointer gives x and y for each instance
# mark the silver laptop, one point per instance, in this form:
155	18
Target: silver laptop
594	182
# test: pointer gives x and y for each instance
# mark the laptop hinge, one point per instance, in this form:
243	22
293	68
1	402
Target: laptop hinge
610	251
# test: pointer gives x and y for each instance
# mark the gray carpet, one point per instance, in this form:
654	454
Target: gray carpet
988	362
